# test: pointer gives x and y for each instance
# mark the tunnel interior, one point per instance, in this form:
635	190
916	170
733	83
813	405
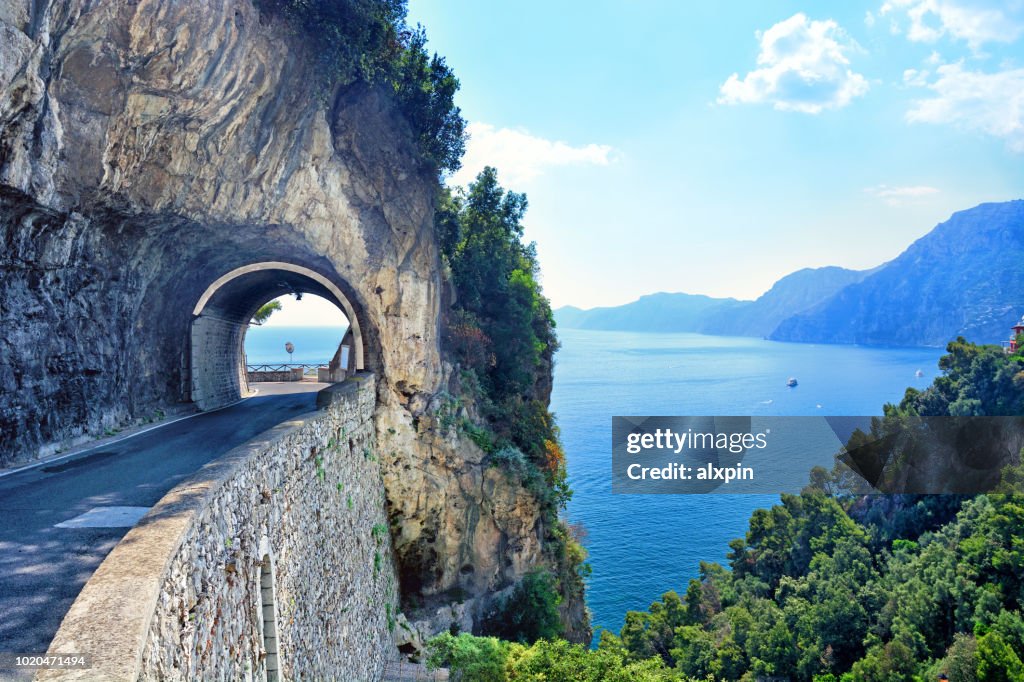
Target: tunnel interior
216	359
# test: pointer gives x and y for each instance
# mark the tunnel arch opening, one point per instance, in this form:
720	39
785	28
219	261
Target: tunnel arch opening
221	316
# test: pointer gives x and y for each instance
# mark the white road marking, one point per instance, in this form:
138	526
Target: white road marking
106	517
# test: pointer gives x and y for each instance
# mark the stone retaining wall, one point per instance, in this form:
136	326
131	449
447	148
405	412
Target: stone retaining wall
181	597
287	375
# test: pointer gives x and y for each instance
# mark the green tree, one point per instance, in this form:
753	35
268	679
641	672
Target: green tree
997	661
500	325
484	659
265	311
976	381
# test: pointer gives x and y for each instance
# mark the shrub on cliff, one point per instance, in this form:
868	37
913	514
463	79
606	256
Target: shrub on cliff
529	613
368	41
500	325
500	330
470	659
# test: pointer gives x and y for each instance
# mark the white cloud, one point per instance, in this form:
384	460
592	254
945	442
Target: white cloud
975	22
992	103
915	77
803	67
520	156
900	195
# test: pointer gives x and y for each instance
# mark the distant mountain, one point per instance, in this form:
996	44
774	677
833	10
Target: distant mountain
792	294
965	277
659	312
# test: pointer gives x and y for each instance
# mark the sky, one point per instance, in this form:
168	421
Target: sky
714	147
311	311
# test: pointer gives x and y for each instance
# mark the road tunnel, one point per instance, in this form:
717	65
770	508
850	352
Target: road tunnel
216	361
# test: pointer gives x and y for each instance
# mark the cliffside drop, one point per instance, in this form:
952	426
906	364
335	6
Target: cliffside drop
149	149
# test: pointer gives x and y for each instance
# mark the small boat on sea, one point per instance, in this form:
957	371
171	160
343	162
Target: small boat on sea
791	382
918	374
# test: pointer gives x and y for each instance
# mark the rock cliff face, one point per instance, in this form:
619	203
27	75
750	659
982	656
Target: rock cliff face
148	148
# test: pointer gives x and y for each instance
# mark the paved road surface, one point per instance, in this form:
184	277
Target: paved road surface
43	567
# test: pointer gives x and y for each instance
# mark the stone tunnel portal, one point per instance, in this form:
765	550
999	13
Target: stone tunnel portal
216	361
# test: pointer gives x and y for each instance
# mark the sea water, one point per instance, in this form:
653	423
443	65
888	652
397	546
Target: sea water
313	345
644	545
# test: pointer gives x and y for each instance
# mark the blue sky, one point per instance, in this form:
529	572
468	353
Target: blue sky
712	148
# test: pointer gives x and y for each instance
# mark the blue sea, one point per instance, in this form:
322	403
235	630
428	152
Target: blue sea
643	545
313	345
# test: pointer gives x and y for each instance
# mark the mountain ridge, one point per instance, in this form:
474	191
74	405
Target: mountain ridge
964	277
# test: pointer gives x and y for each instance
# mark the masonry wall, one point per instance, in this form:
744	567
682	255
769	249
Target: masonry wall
257	377
215	373
310	497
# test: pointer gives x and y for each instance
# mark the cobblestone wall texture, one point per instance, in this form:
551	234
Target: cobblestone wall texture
312	501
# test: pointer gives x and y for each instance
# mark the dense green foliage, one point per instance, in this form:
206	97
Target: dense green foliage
368	41
495	278
487	659
898	587
529	613
809	599
976	381
920	443
470	659
500	327
808	596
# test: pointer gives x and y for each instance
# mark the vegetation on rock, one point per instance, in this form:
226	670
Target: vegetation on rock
529	613
500	330
368	41
976	381
488	659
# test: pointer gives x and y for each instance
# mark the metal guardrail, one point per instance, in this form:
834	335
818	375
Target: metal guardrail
285	366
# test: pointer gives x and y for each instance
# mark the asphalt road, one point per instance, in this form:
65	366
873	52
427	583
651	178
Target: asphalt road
43	568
